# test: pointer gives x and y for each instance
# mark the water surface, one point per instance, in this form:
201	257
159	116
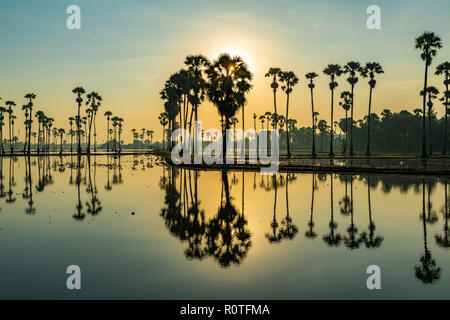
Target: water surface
139	229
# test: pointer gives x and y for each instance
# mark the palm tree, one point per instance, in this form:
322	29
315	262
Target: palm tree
30	97
120	123
79	91
289	80
108	115
227	77
25	108
41	117
2	117
323	129
432	93
345	103
333	71
311	76
254	121
275	74
370	70
444	69
10	111
94	101
352	68
197	64
71	120
163	121
61	133
428	43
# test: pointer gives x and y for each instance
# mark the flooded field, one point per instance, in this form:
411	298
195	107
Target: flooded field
140	229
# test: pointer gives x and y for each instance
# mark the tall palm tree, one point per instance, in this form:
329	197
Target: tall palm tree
289	80
311	76
79	91
370	70
71	120
197	65
94	101
163	121
226	77
25	108
61	133
30	97
444	69
254	121
432	93
10	111
275	74
345	103
428	43
333	71
108	115
2	117
352	68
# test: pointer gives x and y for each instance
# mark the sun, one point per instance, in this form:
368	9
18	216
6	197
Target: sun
236	50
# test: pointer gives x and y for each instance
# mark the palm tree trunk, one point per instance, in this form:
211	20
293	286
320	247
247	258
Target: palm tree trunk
351	122
313	126
107	134
29	131
429	125
331	126
368	119
95	134
346	132
79	127
10	135
424	144
287	128
446	111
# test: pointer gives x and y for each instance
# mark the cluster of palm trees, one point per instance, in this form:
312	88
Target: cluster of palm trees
226	82
85	125
141	136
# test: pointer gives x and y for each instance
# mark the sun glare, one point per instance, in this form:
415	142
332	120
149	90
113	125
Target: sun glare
236	50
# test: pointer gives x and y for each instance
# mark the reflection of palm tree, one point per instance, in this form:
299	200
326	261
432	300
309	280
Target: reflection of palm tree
311	233
444	239
288	229
370	240
427	271
79	215
431	216
332	239
94	206
276	235
351	240
10	193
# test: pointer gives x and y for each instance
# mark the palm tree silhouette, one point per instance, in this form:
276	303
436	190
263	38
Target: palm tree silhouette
333	71
108	115
2	117
351	241
94	101
370	70
275	74
79	91
289	80
10	111
163	121
345	103
428	43
444	69
30	97
311	76
352	68
228	77
61	133
432	93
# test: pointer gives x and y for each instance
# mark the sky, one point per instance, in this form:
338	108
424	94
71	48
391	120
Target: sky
126	50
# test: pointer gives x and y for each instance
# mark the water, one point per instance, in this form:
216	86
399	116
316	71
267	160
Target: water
139	229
